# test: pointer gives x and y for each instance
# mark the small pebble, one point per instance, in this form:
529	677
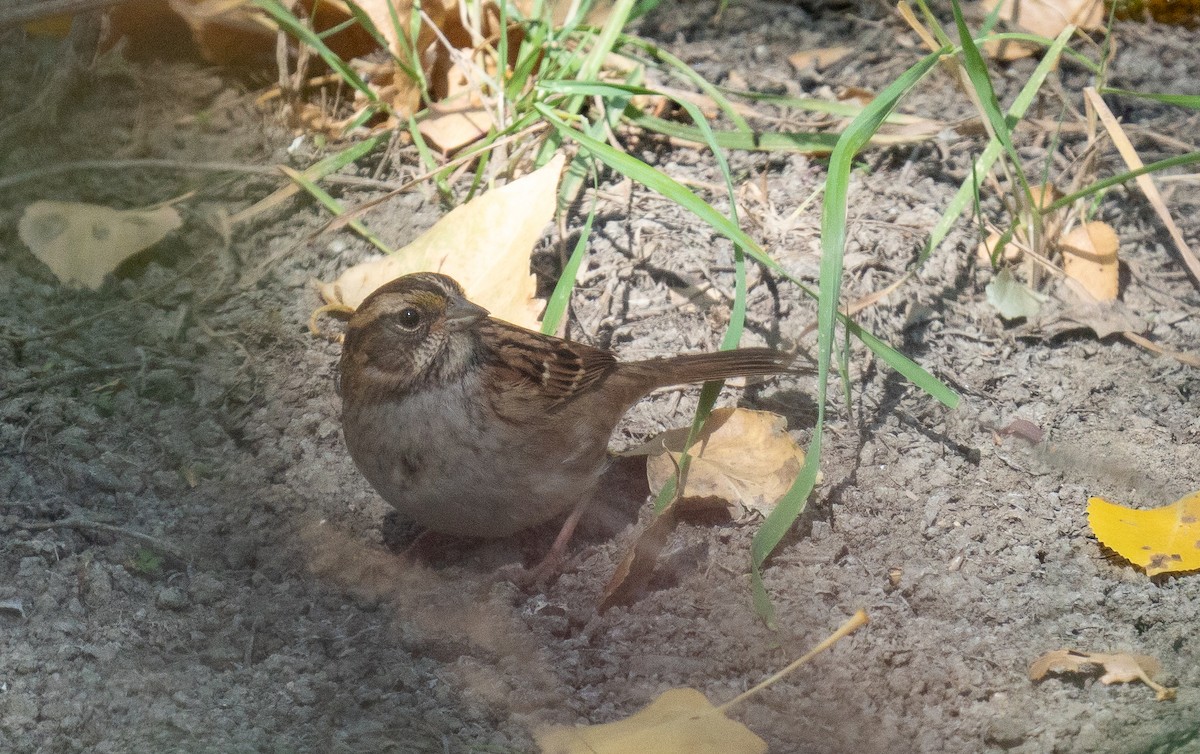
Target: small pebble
171	598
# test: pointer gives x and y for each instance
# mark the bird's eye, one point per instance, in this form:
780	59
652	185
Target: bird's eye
410	318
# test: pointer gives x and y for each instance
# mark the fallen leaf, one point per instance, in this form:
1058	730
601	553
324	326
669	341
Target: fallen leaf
857	94
1070	309
1090	258
227	32
987	249
1024	429
1159	540
450	129
634	571
485	245
1047	18
81	243
741	461
820	58
682	721
743	458
1012	298
1043	17
1118	668
679	721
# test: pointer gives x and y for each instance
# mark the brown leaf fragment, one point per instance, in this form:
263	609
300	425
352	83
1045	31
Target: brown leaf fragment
1069	310
1047	18
637	567
1118	668
449	129
1024	429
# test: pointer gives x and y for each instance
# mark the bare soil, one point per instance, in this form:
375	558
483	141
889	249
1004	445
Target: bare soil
190	562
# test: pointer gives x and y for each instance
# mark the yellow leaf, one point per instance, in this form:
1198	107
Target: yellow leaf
485	245
1090	258
680	721
1160	540
81	243
742	457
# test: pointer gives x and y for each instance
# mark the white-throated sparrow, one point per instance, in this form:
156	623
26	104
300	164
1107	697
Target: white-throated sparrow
473	426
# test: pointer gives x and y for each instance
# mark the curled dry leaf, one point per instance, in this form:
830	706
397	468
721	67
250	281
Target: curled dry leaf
1118	668
746	459
1090	258
680	721
1159	540
485	245
81	243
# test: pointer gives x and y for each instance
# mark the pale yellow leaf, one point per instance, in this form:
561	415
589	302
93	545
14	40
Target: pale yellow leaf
680	721
1090	258
1118	668
987	248
449	129
81	243
1049	17
820	58
742	457
485	245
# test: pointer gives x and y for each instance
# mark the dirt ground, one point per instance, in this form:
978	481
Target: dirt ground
190	562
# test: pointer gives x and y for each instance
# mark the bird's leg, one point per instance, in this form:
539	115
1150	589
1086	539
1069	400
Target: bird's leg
549	566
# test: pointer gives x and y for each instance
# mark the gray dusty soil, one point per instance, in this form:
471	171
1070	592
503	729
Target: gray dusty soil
189	561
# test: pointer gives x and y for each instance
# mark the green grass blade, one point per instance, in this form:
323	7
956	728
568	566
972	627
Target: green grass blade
351	154
833	240
336	208
845	109
981	82
1183	100
673	190
692	76
293	25
663	184
1190	158
429	161
368	24
805	143
984	163
556	307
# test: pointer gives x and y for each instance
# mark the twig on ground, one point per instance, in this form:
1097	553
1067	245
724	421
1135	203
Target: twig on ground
83	524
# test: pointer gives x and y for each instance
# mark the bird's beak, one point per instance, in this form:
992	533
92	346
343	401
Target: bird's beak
461	314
